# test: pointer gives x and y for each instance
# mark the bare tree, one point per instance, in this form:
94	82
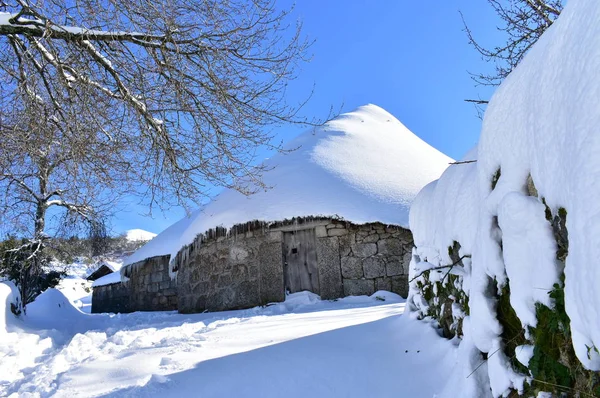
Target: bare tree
192	87
162	98
523	23
43	172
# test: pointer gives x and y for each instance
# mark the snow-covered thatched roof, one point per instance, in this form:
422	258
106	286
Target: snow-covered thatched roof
363	166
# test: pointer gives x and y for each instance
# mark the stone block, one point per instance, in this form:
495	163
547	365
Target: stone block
220	300
247	295
383	283
390	247
320	231
156	277
224	280
164	285
213	281
364	249
395	265
199	304
346	243
373	267
253	271
400	285
405	236
359	287
406	259
198	288
275	236
270	261
328	262
238	253
372	238
352	267
239	272
337	232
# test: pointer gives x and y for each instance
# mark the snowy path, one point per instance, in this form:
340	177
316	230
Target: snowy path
355	347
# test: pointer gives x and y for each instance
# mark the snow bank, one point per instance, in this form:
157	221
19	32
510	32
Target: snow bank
301	301
9	295
355	347
550	129
53	310
537	166
364	166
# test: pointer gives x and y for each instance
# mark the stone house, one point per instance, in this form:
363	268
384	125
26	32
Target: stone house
257	263
334	222
103	270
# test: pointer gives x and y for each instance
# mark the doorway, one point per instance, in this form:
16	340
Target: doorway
300	268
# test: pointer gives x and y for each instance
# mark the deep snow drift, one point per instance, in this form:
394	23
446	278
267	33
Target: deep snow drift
543	122
303	347
364	166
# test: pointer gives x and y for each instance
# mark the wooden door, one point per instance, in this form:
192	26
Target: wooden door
300	261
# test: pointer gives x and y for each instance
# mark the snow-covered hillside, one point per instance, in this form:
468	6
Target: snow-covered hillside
136	235
364	166
304	347
524	224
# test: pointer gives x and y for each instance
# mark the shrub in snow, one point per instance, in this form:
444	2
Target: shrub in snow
525	222
24	262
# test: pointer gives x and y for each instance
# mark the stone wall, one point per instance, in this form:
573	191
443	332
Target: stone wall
150	286
245	269
233	272
110	298
374	257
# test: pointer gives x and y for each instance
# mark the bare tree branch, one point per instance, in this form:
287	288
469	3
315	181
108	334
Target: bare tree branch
523	22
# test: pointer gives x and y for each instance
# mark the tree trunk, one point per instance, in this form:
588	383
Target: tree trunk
33	268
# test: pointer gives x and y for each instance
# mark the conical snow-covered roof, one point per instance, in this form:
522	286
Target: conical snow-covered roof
363	166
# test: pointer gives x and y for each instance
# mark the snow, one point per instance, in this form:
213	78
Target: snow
364	166
527	239
524	353
136	235
9	295
353	347
78	291
542	121
109	279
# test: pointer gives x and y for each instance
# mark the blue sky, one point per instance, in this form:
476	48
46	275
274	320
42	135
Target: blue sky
409	57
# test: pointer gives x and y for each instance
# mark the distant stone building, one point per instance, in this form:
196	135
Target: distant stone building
333	222
103	270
